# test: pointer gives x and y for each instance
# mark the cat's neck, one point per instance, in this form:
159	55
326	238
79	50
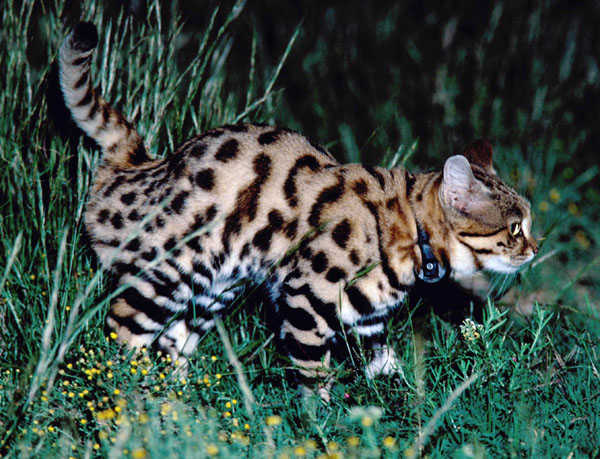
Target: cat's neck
429	214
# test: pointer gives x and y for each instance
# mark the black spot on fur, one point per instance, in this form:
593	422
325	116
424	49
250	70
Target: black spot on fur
360	187
114	185
268	138
198	150
419	197
262	239
354	258
275	220
335	274
117	220
327	196
289	187
171	242
160	222
341	233
205	179
139	155
211	212
103	216
128	198
133	245
319	262
291	229
178	202
194	244
227	151
245	250
134	216
150	254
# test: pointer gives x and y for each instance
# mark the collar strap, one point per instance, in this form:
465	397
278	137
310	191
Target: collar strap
431	270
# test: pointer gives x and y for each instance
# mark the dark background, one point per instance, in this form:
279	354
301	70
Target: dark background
374	75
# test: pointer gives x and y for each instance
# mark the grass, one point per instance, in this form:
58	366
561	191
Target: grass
513	384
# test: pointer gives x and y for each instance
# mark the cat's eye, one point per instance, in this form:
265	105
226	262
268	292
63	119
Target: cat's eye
515	228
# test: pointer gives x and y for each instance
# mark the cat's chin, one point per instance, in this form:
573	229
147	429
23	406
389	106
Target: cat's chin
498	265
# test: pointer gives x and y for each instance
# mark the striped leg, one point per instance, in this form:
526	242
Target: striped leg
306	337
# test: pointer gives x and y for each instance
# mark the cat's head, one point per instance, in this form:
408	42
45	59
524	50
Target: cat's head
487	216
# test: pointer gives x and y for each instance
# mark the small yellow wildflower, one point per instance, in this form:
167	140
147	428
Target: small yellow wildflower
213	358
116	392
273	420
96	446
544	206
228	405
161	376
212	450
144	371
113	335
247	426
143	418
234	401
554	195
300	451
109	363
70	366
353	441
32	277
389	442
71	394
50	428
118	409
227	414
332	446
366	421
133	371
109	375
573	209
83	421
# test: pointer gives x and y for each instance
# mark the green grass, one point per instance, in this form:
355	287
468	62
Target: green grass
523	385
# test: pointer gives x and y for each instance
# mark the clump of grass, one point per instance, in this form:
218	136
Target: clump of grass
509	385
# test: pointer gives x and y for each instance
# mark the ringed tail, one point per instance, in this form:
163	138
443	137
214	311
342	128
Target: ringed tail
121	144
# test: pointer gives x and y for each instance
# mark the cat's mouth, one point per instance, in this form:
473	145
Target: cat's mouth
507	265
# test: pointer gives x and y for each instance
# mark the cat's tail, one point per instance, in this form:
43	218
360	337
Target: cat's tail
121	144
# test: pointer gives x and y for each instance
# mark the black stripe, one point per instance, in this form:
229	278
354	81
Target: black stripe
138	301
493	233
289	187
371	170
385	265
303	351
359	301
325	310
328	196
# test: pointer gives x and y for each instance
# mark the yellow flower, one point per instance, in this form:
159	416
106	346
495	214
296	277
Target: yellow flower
234	401
213	358
218	375
554	195
50	429
116	392
247	426
353	441
109	375
113	335
544	206
389	442
227	414
367	421
83	421
105	415
300	451
273	420
96	446
212	450
228	405
332	446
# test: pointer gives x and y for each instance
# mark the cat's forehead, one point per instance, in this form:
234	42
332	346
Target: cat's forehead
510	203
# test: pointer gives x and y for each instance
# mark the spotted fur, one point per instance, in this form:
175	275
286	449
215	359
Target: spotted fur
336	245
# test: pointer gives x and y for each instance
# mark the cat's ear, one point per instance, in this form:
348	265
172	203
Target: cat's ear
480	154
460	189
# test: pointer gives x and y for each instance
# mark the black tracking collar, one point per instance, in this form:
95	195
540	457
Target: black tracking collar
431	270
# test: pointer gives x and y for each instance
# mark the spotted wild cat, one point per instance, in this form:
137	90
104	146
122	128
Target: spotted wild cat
337	246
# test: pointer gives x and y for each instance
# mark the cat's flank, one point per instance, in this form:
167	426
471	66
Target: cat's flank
337	246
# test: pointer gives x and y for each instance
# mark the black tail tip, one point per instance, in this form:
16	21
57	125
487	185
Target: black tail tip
85	36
